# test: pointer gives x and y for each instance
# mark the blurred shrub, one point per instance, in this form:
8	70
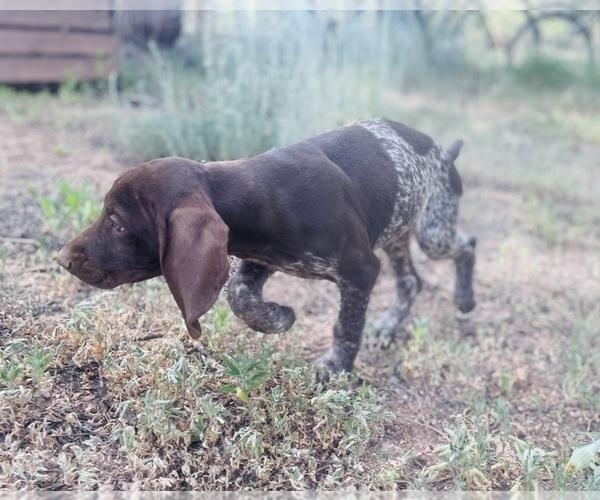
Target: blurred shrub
275	78
270	78
542	72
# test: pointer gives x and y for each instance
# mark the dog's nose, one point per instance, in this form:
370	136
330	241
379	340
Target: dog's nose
64	259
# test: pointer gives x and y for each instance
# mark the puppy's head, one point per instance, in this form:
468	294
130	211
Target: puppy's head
157	219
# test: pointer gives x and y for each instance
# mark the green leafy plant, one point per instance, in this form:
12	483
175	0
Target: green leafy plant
69	207
20	360
466	456
60	150
584	457
10	372
67	90
11	362
533	460
127	439
250	373
582	360
39	360
216	325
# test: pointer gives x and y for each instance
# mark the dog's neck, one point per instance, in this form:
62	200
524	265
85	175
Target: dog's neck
244	203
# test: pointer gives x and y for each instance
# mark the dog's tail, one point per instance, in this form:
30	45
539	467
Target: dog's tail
455	182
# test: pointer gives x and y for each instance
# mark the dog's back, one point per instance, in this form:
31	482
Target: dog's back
383	169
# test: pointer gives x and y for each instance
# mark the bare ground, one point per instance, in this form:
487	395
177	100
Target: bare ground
532	342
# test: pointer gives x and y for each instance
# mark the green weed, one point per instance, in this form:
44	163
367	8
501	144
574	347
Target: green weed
554	220
11	363
466	457
548	221
23	107
249	372
476	457
38	361
427	353
80	318
582	360
500	413
10	372
69	209
60	150
127	439
533	460
585	457
67	90
216	325
582	470
19	361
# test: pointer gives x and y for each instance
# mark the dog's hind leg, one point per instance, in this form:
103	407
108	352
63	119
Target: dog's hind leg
408	285
439	238
244	294
464	260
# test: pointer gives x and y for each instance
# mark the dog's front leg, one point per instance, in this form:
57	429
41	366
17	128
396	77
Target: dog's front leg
355	292
244	294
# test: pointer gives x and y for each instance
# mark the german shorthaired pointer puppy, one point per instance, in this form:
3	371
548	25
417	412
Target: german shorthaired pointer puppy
316	209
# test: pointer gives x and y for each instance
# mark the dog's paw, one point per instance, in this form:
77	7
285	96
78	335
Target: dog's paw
464	300
281	317
463	296
271	318
463	292
330	364
387	330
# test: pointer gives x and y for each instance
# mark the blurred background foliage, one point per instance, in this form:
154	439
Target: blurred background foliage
236	83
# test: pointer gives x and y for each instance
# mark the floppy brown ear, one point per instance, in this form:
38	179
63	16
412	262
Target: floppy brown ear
193	258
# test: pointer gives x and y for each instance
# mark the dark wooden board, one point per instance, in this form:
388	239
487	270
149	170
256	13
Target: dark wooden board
52	69
63	20
20	42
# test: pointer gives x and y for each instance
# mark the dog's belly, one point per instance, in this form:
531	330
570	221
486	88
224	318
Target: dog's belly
307	266
404	218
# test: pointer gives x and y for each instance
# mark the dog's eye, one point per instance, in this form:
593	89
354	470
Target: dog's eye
116	223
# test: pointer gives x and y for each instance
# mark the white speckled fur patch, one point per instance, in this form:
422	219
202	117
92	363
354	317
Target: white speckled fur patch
417	177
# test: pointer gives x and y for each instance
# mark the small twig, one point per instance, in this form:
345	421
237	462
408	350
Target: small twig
76	434
150	337
422	424
23	241
39	269
100	379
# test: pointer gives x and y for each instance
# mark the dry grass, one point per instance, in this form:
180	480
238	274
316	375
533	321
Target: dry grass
103	390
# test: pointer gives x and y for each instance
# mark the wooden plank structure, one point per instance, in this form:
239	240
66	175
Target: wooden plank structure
48	46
